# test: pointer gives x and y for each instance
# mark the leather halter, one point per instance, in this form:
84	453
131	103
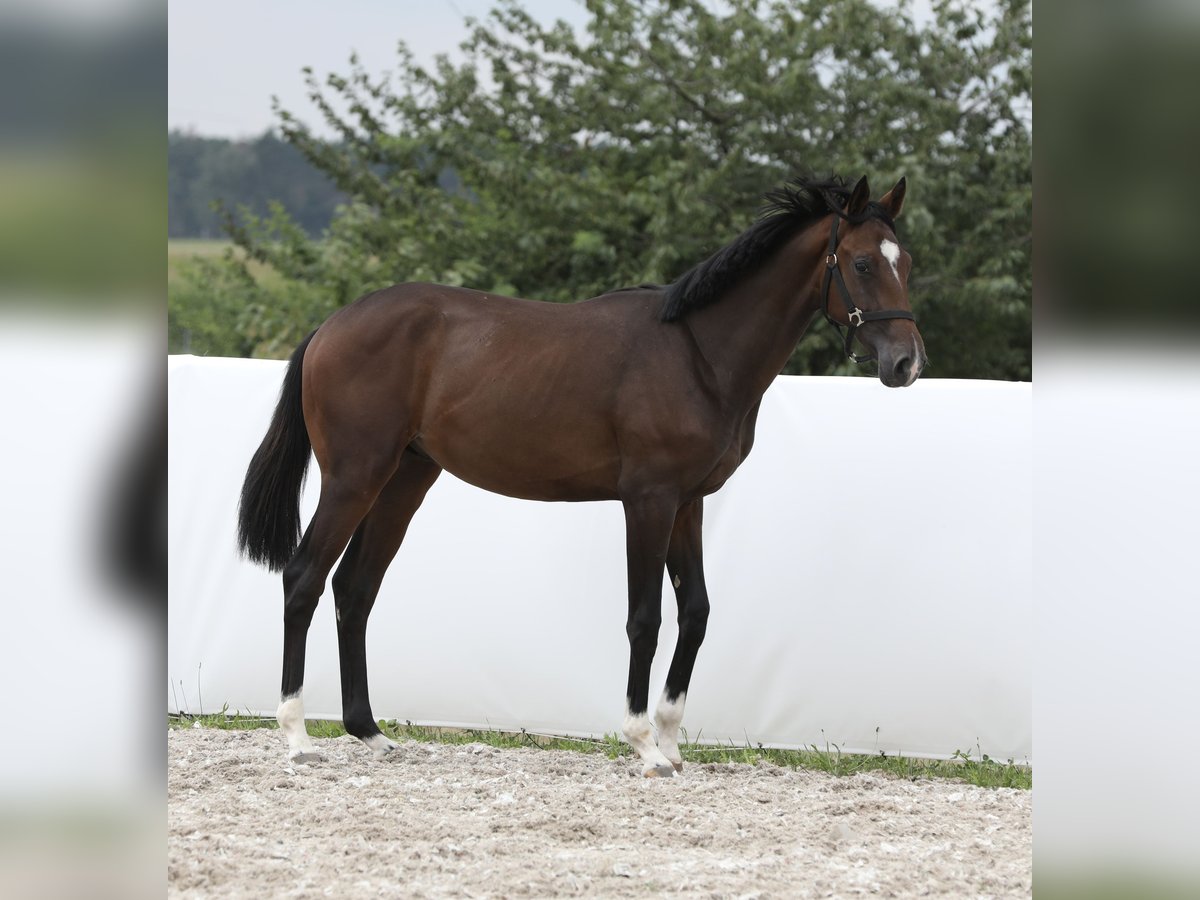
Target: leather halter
854	316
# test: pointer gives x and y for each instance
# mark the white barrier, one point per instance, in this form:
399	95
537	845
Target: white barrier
869	568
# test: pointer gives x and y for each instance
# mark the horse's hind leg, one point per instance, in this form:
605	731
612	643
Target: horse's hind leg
344	501
356	584
685	566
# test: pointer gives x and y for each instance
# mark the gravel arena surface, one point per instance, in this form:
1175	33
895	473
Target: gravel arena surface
440	820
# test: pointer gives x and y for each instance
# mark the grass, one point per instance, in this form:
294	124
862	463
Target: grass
977	769
181	250
1115	881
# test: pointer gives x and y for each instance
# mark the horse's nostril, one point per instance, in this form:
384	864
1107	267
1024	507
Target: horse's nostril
900	370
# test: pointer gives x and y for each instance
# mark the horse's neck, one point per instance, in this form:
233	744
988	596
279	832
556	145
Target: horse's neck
747	335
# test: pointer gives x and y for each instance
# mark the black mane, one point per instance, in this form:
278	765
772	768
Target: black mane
789	209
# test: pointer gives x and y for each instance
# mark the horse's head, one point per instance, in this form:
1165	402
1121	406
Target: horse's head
866	284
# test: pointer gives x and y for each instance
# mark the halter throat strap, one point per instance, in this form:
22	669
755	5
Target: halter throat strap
854	316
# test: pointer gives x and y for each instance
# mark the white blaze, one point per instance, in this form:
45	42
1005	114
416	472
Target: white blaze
891	252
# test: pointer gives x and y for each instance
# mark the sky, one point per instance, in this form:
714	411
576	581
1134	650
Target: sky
228	57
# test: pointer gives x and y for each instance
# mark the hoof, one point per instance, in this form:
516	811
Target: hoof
304	757
379	745
664	771
677	765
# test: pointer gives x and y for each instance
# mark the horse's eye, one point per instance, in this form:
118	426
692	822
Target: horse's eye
860	265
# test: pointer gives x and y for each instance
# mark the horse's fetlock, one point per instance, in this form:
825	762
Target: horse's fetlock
360	724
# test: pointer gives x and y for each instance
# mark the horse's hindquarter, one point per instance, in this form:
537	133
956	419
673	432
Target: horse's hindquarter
534	400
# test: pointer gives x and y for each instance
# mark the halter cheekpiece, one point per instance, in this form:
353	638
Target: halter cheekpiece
854	315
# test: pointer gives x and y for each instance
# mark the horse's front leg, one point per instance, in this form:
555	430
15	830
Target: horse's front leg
648	522
685	565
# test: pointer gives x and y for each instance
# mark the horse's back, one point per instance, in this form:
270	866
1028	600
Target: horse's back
398	311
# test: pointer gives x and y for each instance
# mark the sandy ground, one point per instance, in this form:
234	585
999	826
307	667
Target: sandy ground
434	820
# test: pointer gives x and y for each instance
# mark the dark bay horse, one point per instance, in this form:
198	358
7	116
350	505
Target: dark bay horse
645	395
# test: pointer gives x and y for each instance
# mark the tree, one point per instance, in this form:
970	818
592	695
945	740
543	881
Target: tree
581	163
252	173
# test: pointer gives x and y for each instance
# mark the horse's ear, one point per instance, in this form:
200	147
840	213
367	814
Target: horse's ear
859	197
893	200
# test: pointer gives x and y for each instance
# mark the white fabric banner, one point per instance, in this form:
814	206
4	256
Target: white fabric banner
869	569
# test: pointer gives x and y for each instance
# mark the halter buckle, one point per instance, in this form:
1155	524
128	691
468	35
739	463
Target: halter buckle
852	314
830	260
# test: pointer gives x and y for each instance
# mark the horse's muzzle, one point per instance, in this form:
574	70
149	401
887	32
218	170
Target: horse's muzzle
902	369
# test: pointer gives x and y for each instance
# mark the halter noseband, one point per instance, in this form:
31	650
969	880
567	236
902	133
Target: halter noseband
854	315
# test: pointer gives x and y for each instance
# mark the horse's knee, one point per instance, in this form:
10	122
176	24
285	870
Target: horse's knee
693	620
345	592
642	630
342	583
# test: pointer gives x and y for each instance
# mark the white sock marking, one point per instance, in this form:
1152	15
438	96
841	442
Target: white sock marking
640	735
891	252
667	718
379	744
291	722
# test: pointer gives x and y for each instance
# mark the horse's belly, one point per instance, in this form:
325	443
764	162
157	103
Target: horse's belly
547	466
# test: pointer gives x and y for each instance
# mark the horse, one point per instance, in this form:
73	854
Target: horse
646	395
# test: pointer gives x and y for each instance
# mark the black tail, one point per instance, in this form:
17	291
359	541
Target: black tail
269	510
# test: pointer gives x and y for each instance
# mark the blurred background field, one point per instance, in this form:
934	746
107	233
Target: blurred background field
182	252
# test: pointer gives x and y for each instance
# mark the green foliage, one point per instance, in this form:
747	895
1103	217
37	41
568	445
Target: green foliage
219	303
629	153
204	303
